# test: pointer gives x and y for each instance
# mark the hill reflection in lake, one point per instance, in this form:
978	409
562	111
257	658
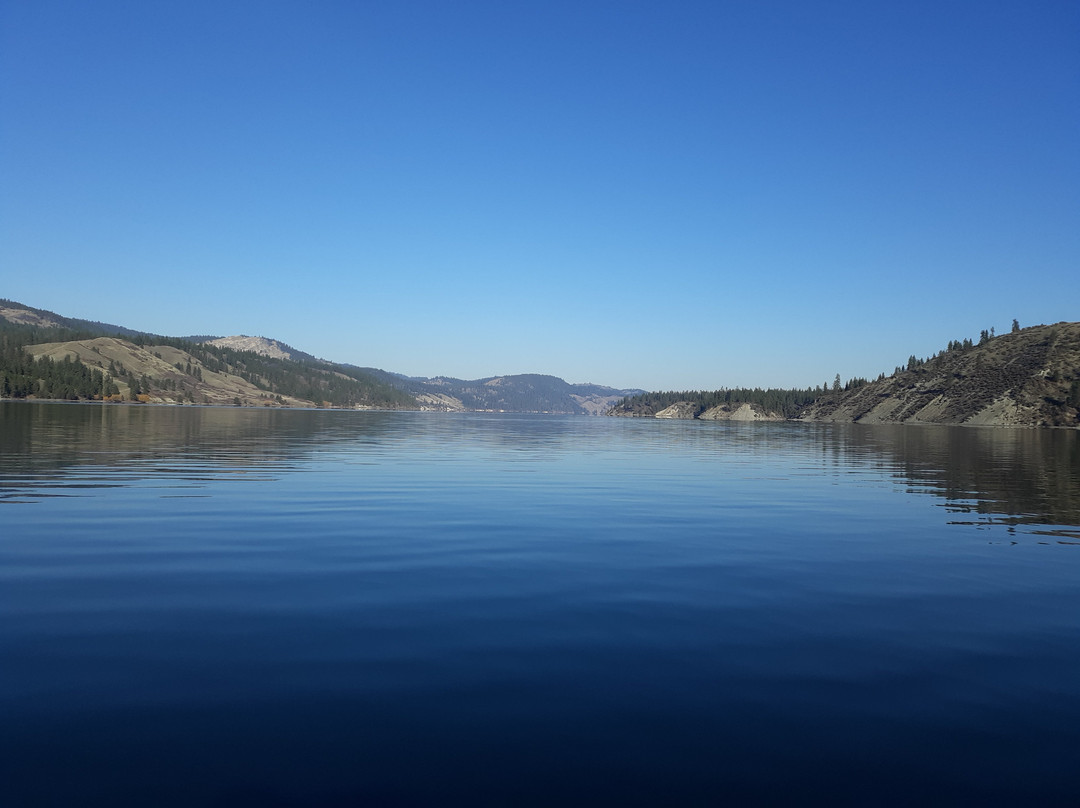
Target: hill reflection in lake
1012	476
271	607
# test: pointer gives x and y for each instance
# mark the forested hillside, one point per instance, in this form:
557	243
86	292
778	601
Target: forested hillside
45	356
22	376
781	403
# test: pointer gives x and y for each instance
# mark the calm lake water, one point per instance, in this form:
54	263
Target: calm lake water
268	607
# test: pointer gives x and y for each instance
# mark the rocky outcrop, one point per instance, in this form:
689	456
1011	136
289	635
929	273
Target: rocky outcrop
686	410
439	402
256	345
739	412
745	411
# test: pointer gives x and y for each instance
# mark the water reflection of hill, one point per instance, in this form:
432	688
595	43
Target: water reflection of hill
1014	476
49	448
54	434
1005	476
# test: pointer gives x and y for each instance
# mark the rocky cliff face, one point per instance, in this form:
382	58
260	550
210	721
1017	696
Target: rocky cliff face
687	410
680	409
1027	378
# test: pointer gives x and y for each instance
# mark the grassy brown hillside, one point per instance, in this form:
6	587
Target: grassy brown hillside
160	373
176	372
1030	377
44	355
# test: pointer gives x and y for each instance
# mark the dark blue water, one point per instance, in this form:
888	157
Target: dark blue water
278	608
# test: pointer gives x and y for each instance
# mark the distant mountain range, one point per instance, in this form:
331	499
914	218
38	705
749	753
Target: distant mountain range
47	355
526	392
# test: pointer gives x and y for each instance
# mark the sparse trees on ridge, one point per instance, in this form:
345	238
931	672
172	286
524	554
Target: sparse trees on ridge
788	402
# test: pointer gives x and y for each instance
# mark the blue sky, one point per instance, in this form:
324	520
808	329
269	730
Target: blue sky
640	194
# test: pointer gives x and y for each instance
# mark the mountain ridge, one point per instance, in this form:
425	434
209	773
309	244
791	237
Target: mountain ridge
531	392
69	358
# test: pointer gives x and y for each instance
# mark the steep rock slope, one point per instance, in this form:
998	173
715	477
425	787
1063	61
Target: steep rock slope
1030	377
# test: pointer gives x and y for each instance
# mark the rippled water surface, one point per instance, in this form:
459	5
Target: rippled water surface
266	607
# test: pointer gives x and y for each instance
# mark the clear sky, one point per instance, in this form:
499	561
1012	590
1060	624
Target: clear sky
661	195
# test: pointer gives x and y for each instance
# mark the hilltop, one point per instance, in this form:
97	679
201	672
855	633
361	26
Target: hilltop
263	346
20	315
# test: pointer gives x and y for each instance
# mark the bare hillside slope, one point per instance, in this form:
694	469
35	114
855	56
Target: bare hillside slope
1030	377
